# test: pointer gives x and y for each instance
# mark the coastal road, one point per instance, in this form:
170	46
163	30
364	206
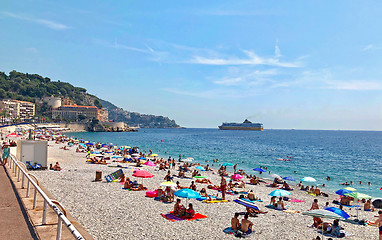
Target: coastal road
14	221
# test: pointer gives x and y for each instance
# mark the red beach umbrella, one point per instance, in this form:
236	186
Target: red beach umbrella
142	174
13	135
236	177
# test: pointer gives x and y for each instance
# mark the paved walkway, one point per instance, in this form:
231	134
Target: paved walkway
14	222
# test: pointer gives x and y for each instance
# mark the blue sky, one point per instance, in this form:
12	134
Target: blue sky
287	64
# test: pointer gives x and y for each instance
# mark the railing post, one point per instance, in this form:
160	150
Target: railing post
28	187
18	177
35	198
59	228
44	213
22	184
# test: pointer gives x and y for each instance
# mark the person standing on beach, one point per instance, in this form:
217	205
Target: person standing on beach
378	223
223	185
5	154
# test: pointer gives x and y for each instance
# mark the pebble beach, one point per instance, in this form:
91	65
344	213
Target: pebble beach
109	212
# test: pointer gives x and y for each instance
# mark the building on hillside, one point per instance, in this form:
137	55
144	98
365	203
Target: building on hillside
66	101
18	109
72	112
53	102
103	115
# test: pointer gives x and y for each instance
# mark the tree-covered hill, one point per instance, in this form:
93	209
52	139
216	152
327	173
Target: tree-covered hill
33	87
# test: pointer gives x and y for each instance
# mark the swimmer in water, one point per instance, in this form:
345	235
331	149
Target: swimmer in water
328	178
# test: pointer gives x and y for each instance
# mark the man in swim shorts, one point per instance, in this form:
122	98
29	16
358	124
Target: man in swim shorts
223	185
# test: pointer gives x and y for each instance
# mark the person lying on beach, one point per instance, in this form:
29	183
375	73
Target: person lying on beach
252	212
178	185
235	223
127	184
203	193
138	188
345	200
204	180
231	185
122	178
64	147
246	225
162	167
190	212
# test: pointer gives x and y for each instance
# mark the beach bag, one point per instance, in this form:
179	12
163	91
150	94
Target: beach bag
239	234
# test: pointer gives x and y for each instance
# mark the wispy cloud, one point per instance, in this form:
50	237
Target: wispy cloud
256	77
371	47
251	59
354	85
47	23
231	12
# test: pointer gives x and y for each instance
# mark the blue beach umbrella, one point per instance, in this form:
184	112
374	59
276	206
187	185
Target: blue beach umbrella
227	164
279	193
289	178
342	192
259	170
338	211
90	144
116	156
200	168
83	145
142	158
187	193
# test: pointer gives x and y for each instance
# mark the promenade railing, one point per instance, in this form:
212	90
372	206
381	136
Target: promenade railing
21	172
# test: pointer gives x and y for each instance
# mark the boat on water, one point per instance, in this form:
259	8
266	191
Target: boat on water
246	125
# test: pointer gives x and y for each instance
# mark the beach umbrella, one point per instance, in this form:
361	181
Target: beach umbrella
95	152
151	164
135	155
289	178
358	195
259	170
236	177
116	156
377	203
323	214
227	164
279	193
201	168
351	189
187	193
275	176
12	135
142	158
104	145
342	192
154	155
82	145
168	184
90	144
142	174
307	179
189	159
338	211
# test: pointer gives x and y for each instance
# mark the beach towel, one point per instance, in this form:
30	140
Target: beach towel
295	200
229	230
252	201
291	211
215	201
170	216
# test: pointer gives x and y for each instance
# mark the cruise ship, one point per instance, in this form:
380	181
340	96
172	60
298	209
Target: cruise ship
246	125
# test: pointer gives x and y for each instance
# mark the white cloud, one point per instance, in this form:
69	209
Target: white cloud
277	50
47	23
251	59
237	78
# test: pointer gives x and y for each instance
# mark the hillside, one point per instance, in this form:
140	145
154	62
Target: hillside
33	87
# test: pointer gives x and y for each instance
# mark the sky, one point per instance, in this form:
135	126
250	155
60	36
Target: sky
286	64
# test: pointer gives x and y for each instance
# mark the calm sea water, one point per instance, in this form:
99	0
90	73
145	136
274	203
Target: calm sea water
343	155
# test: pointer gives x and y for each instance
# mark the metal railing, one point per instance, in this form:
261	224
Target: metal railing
14	164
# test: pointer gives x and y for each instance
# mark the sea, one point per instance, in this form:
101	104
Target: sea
343	156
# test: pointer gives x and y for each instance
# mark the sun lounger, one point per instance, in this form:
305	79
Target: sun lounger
114	176
215	201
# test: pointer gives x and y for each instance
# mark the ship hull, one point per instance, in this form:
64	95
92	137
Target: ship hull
241	128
